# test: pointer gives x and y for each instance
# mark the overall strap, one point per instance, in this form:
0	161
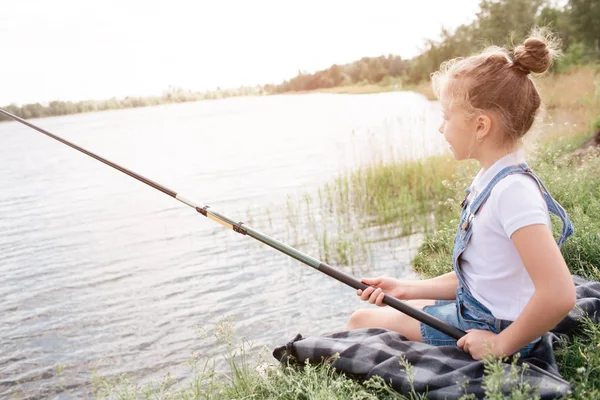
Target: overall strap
483	196
553	206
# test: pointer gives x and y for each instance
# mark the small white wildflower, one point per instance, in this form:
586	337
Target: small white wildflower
201	331
262	369
580	370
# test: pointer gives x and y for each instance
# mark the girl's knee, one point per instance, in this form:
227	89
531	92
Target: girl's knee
358	319
387	318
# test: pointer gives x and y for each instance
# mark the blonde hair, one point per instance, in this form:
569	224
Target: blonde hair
494	81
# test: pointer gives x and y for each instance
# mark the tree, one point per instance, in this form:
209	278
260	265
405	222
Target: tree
506	22
584	16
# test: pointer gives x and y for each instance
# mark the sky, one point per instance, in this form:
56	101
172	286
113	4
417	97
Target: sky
88	49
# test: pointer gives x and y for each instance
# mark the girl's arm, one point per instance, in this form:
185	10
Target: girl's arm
554	294
442	287
553	298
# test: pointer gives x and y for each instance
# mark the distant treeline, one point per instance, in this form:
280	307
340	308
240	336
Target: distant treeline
173	95
499	22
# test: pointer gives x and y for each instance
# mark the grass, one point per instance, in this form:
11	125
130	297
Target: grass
358	89
422	196
388	84
376	203
253	378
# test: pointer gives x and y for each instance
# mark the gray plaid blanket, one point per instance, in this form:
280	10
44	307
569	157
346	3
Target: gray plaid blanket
444	372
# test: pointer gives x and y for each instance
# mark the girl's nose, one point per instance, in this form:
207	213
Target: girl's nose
441	128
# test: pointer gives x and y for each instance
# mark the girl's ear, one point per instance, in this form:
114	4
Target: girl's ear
483	127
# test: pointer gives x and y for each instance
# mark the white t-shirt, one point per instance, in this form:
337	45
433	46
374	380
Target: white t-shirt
491	265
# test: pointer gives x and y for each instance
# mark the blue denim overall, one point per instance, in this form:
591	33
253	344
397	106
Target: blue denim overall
466	312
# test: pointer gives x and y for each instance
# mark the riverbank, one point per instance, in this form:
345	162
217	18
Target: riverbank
433	188
387	85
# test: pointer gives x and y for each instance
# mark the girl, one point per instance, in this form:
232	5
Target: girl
510	283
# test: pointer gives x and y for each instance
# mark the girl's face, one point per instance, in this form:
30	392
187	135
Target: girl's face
458	131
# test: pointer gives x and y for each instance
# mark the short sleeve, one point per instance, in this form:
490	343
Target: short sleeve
517	202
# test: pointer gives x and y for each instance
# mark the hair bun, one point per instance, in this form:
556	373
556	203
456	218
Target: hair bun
532	56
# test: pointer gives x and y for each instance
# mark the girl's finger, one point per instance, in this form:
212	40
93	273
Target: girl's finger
366	293
374	295
371	281
359	292
379	300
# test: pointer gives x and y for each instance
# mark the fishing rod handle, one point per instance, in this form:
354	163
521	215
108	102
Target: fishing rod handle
395	303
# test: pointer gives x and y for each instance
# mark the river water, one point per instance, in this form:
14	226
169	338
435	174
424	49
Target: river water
103	274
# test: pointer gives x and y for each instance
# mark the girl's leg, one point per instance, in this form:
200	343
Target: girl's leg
389	318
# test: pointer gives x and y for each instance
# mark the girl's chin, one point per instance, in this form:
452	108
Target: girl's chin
457	157
452	151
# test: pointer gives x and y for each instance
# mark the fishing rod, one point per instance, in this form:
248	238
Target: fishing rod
244	229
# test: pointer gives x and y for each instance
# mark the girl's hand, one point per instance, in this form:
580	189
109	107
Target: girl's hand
377	286
479	344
